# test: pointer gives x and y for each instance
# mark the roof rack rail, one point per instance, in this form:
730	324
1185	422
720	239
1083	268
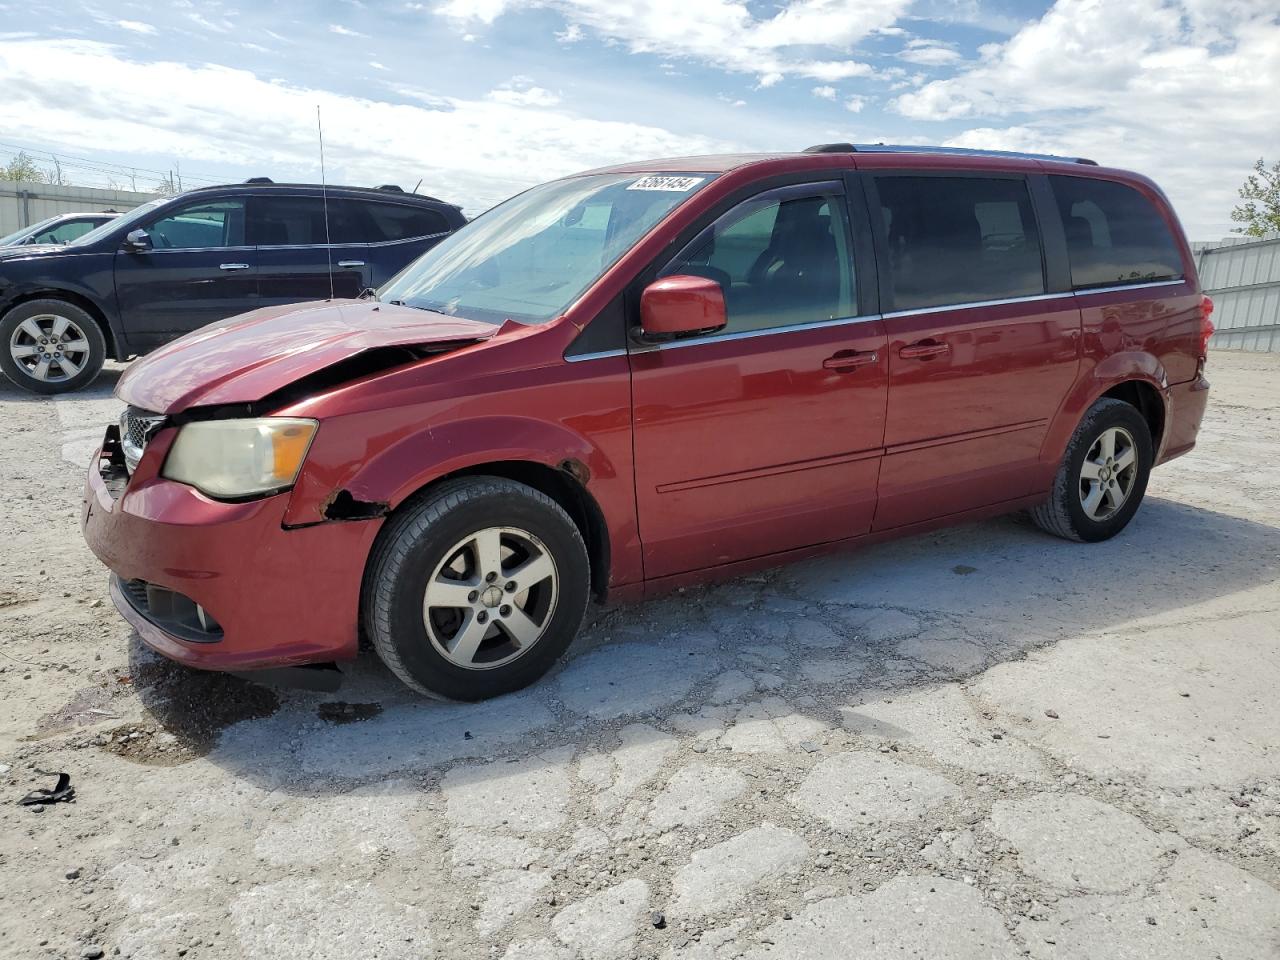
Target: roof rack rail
390	188
259	180
950	151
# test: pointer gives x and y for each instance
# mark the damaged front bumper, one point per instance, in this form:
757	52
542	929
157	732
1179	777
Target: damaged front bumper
223	586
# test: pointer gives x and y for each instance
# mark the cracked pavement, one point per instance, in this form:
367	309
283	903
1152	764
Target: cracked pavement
977	743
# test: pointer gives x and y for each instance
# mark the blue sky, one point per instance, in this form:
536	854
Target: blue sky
479	98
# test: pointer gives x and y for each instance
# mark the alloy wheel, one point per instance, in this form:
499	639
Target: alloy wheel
1108	473
49	348
491	598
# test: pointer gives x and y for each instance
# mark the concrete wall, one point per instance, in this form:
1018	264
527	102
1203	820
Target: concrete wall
1243	278
22	204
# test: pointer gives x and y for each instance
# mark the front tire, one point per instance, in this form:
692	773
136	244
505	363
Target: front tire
475	588
1103	476
51	346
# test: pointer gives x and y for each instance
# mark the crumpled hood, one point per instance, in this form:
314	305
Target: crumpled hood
245	358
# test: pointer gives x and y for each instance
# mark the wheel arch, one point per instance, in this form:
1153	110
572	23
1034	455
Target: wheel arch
564	485
1134	377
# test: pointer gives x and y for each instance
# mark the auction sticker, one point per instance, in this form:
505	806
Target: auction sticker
670	184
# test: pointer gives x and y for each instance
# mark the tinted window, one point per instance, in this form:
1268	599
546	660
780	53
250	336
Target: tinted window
299	221
959	240
781	259
393	221
213	223
65	232
1114	234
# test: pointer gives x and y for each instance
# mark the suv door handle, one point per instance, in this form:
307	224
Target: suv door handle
233	266
924	350
347	264
848	359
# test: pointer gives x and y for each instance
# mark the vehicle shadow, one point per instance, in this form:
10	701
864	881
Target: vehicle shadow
770	656
102	388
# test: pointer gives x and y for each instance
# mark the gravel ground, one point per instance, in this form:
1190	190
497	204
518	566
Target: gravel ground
982	743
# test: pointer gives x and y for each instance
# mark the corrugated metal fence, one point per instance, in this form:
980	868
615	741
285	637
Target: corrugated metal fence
22	204
1243	278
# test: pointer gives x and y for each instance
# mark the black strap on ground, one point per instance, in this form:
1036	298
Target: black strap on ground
62	790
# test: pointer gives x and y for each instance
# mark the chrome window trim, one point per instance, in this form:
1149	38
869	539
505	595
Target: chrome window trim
749	334
598	355
1030	298
152	250
1129	286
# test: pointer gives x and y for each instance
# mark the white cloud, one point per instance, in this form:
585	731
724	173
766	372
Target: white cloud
929	53
136	26
571	34
378	66
86	93
1181	90
723	33
342	31
855	104
525	97
825	93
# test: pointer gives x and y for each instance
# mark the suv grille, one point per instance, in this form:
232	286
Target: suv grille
136	428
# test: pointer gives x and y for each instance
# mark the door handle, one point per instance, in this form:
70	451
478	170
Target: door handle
233	266
848	359
924	350
346	264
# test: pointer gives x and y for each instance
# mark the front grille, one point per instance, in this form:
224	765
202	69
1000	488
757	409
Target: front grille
172	611
136	428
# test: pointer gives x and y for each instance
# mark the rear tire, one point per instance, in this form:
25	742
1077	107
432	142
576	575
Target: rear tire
475	588
51	346
1103	476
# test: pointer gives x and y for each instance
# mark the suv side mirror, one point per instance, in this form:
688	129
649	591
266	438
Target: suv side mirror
682	304
137	241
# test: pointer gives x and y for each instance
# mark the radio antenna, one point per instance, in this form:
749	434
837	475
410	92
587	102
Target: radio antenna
324	193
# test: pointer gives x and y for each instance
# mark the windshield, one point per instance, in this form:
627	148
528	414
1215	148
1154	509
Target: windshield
531	257
26	232
127	220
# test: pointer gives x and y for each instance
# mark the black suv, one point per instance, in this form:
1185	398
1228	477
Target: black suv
178	263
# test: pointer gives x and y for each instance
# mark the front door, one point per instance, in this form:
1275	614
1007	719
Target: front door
198	270
766	436
980	355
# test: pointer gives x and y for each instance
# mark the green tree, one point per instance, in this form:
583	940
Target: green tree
1260	212
23	168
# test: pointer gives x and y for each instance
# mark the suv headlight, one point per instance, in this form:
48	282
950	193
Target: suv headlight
240	458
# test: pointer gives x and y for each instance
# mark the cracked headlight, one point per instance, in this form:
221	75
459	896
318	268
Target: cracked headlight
240	458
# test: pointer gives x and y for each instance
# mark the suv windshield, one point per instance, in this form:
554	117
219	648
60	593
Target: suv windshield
529	258
127	220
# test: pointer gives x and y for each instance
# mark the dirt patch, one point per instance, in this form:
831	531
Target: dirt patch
188	710
341	712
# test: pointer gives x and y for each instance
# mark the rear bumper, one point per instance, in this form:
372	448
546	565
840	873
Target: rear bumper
1183	414
281	597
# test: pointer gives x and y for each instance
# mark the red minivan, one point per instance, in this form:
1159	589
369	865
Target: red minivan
645	376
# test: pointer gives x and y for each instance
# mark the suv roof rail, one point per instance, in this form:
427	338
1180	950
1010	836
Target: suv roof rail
259	180
390	187
951	151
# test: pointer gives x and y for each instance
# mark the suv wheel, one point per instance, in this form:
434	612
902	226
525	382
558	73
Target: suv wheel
50	346
476	588
1103	477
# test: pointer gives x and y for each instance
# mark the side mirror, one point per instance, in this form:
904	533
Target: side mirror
682	304
137	241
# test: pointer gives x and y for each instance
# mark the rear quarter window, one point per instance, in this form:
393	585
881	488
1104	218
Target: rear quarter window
1115	235
394	221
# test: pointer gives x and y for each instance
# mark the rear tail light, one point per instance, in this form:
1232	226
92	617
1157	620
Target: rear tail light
1206	325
